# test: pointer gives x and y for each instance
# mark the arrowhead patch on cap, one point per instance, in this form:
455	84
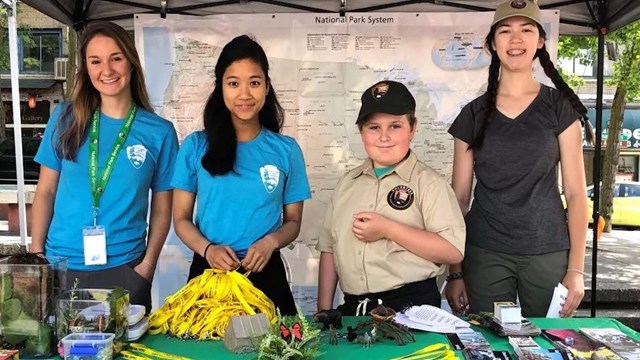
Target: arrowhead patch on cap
380	90
518	4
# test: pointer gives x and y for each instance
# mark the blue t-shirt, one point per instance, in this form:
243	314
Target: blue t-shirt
144	163
239	208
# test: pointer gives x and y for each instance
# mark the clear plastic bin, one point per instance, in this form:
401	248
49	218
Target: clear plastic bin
93	311
88	346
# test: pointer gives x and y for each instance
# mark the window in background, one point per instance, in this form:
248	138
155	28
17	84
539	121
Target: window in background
38	49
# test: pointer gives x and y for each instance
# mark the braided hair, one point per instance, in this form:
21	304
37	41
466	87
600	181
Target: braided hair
489	105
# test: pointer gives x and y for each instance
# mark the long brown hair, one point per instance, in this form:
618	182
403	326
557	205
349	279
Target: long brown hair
76	117
489	106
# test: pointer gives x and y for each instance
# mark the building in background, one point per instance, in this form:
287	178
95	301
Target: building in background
42	51
42	48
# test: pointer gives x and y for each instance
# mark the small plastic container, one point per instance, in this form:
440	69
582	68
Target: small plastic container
136	313
88	346
93	311
136	331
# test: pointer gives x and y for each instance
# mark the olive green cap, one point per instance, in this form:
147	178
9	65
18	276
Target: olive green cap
525	8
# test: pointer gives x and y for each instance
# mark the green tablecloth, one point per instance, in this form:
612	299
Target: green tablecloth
382	350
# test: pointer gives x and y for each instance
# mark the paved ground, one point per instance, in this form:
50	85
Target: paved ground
618	279
618	260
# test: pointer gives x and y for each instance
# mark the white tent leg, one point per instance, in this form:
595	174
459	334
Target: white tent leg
17	122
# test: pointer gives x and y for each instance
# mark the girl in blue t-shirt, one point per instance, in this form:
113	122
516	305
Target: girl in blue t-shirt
249	181
100	155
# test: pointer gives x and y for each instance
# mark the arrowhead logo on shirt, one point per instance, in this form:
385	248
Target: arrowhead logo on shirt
400	197
137	155
270	176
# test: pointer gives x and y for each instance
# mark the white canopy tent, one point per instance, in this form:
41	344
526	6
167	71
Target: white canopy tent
577	17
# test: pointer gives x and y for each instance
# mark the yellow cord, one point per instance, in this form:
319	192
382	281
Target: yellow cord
139	348
203	308
432	352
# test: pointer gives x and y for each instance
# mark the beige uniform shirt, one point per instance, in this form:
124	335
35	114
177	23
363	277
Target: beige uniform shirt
413	194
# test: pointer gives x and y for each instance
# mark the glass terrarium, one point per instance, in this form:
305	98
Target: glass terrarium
94	310
28	285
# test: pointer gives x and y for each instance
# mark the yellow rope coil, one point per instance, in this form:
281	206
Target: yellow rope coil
203	308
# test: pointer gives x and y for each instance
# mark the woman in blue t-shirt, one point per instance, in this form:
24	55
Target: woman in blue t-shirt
520	244
249	181
100	156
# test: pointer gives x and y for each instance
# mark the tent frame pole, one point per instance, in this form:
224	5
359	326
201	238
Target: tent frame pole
17	120
603	22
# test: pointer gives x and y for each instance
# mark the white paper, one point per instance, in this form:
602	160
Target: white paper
403	319
431	318
557	301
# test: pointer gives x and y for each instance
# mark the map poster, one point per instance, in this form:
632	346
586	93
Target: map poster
320	65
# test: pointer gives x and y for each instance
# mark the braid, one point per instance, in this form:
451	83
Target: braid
565	91
489	106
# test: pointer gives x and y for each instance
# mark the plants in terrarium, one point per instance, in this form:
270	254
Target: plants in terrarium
28	282
94	310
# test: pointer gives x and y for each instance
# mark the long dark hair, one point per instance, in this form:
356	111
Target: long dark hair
489	106
76	117
221	135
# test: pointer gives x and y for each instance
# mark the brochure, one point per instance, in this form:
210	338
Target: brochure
579	345
622	344
557	301
486	354
468	340
542	354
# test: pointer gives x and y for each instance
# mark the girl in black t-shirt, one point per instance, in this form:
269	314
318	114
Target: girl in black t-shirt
519	244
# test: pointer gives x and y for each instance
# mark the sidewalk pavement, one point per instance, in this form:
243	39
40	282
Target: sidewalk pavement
618	277
618	260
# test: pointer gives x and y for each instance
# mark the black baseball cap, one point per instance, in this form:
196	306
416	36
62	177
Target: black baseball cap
387	97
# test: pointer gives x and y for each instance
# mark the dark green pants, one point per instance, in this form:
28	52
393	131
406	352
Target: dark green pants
491	276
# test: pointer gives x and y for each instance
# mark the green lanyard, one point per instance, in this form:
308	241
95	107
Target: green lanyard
98	184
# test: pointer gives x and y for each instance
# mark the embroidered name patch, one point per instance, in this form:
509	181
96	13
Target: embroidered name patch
400	197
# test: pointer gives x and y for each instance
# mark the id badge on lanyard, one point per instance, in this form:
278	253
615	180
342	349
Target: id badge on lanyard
94	240
94	237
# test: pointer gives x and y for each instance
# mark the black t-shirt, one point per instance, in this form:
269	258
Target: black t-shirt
517	207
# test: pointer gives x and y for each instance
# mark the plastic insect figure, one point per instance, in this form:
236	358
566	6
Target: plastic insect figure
295	331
